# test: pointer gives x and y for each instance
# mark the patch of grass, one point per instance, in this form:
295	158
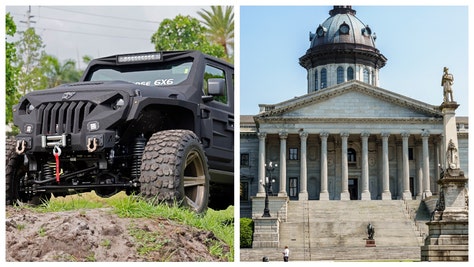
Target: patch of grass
42	232
106	243
20	226
146	241
91	257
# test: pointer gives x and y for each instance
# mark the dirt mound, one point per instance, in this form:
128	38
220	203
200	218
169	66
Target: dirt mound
100	235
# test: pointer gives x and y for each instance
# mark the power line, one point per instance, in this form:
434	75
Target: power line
95	34
95	24
102	16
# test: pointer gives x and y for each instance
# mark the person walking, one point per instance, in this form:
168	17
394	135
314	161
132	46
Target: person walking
286	254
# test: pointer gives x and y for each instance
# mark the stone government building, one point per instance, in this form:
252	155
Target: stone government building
347	138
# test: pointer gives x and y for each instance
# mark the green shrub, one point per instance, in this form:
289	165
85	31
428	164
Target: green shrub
246	232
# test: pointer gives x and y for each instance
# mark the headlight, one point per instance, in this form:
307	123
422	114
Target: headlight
29	108
118	104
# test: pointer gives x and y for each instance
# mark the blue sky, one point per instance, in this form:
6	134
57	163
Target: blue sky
418	42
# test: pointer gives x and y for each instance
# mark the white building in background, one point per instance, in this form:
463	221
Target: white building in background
347	138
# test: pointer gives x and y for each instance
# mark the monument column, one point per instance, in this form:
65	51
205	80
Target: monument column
303	195
386	195
283	136
261	163
324	195
426	165
365	195
345	168
406	167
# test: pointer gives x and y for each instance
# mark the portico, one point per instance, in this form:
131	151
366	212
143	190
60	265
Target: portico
324	153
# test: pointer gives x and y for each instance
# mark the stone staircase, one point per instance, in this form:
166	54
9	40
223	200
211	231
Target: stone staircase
336	230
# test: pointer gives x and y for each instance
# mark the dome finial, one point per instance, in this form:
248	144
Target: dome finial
342	10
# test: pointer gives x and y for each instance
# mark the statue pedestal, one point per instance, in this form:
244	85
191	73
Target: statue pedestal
370	243
448	237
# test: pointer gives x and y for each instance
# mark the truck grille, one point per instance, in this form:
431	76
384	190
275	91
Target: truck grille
63	117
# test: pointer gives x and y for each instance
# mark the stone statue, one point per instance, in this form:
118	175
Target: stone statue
370	231
452	155
446	82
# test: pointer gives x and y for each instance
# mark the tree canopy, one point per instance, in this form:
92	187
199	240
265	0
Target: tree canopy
184	33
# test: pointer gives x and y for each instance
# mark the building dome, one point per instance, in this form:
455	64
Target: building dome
342	49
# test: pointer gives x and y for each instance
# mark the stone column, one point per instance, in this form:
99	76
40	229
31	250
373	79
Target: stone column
406	167
426	165
419	167
283	136
303	195
386	195
365	195
324	194
345	168
261	163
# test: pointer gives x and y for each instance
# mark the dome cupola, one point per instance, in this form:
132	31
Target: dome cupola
342	49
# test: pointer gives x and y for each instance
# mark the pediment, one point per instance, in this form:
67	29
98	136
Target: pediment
352	100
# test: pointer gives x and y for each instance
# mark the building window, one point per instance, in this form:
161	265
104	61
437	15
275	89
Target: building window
351	155
324	82
340	75
293	154
244	191
366	75
410	153
316	82
293	187
350	73
244	160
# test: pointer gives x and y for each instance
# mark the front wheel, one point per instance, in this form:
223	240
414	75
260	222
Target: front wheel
174	169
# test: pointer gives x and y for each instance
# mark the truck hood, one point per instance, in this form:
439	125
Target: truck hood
98	92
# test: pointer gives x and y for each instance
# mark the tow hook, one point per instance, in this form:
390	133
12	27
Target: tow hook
20	146
57	153
91	144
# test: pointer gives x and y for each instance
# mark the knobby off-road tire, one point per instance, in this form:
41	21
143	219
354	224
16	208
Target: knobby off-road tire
174	170
14	171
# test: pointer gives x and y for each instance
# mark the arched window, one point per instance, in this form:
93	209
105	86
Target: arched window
324	82
350	73
351	155
316	81
340	75
366	75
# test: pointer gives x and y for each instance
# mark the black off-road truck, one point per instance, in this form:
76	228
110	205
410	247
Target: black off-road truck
159	124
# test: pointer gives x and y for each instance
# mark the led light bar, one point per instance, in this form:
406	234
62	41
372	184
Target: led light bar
139	57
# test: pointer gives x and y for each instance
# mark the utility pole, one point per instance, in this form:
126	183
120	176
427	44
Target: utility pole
27	52
28	18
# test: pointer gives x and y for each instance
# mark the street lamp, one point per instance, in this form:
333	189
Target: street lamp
268	187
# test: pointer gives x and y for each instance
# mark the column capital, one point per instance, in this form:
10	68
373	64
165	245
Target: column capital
303	135
405	134
324	134
385	135
344	134
283	134
262	135
365	134
425	134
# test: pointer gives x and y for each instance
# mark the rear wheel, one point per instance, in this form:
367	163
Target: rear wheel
174	169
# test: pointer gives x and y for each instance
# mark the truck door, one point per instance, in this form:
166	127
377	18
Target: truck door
218	117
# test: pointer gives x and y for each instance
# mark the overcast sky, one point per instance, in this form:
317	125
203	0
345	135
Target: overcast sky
70	32
418	42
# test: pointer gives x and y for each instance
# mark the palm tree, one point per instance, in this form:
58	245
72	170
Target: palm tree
57	73
220	26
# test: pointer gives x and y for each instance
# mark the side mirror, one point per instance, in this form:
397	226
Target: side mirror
216	86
